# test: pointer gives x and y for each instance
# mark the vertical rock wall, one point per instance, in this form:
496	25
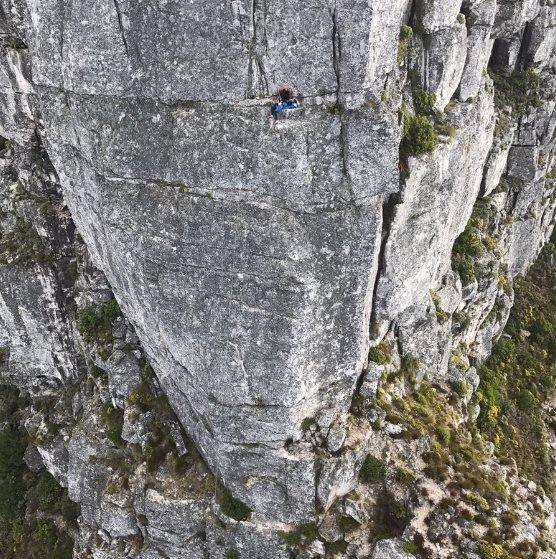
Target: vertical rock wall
250	254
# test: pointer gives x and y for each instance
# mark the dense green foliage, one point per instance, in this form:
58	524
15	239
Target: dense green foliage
419	135
404	43
423	102
232	507
372	470
520	91
113	420
95	323
28	505
21	244
379	354
306	532
473	243
521	373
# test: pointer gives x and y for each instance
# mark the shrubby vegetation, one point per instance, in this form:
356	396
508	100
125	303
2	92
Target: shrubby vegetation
404	43
372	470
22	245
517	379
95	323
231	506
475	242
379	354
419	135
113	420
29	502
521	91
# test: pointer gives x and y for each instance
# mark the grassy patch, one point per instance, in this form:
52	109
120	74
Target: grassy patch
457	450
307	423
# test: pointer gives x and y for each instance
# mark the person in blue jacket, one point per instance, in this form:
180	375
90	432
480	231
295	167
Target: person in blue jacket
284	101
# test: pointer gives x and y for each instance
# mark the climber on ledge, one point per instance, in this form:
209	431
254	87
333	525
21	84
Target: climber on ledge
284	100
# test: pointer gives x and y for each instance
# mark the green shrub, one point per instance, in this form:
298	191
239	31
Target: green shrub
521	91
95	323
404	43
404	476
307	423
469	246
419	135
423	102
347	524
232	554
308	532
461	387
504	349
441	314
372	470
492	551
379	354
233	507
478	501
526	400
410	366
22	536
22	245
12	486
411	547
46	493
444	434
334	548
291	538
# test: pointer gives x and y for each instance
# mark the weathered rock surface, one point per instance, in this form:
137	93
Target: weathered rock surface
249	254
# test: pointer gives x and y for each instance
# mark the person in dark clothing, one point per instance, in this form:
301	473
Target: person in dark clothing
285	100
285	93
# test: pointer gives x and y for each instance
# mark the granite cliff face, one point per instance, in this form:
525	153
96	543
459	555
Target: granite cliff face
255	260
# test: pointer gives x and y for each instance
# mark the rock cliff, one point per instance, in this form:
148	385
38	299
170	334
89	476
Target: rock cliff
211	312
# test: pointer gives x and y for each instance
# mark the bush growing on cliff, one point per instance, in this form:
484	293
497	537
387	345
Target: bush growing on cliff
404	43
419	135
475	242
372	470
423	101
232	507
22	245
95	323
12	486
113	420
22	535
379	354
520	91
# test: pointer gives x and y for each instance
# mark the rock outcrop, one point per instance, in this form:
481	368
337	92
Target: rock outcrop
197	283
